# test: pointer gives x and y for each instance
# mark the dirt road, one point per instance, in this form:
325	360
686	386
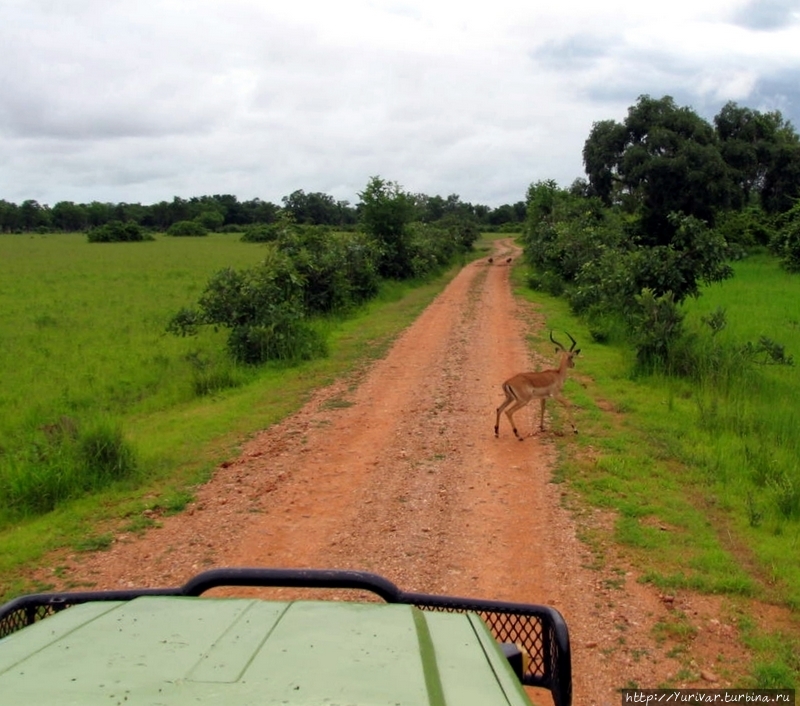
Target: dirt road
399	473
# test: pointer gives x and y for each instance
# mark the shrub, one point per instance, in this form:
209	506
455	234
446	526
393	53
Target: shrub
748	228
187	228
786	240
117	232
263	309
284	227
656	328
260	233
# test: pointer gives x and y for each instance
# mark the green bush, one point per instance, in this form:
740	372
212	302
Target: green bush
656	328
338	269
263	309
118	232
187	228
786	240
283	227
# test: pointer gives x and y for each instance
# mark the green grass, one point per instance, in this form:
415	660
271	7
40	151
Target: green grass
84	324
87	342
702	482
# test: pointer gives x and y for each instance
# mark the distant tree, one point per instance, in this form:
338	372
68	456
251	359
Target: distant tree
502	215
173	211
258	211
10	217
662	160
98	214
762	151
313	209
33	216
125	212
386	211
427	209
232	210
68	216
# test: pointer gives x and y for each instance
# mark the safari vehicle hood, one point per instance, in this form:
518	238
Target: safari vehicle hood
170	651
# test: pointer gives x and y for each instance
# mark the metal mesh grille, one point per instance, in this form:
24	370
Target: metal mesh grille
25	616
524	631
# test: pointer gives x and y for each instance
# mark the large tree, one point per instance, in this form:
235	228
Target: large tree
762	151
662	159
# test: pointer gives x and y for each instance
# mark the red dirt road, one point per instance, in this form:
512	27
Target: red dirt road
399	473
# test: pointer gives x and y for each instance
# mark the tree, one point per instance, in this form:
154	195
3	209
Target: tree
386	211
10	219
313	209
258	211
68	216
261	307
211	219
601	155
33	216
98	214
762	151
662	160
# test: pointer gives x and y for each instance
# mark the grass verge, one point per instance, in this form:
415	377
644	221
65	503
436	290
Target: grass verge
642	456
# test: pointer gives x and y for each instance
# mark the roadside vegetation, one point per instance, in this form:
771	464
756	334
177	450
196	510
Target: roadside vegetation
675	266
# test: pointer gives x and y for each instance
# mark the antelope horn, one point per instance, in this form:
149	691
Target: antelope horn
574	342
556	342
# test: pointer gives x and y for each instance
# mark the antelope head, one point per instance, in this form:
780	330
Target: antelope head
571	353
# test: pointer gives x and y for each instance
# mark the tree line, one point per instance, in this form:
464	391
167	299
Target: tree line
310	271
227	212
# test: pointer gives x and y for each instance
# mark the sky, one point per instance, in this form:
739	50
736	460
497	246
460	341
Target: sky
140	101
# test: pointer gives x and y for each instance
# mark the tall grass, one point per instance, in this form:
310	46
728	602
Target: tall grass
67	463
754	417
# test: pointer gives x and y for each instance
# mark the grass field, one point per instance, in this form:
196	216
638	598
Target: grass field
83	325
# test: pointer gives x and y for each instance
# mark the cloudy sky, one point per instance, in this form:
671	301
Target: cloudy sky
144	100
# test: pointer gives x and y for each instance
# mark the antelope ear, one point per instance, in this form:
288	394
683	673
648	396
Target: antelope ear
577	351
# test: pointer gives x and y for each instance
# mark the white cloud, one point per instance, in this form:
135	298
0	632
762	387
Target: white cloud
141	101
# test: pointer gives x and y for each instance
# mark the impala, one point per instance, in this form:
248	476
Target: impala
524	387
